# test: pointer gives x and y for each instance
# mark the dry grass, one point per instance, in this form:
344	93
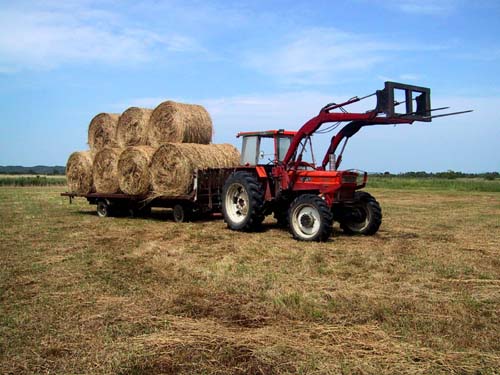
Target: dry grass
79	294
133	170
102	131
132	127
105	170
179	122
173	164
79	172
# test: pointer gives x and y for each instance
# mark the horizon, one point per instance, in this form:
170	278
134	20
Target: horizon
254	66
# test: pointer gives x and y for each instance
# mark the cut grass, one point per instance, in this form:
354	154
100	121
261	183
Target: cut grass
433	183
79	294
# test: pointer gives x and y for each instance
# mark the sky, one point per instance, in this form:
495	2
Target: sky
255	65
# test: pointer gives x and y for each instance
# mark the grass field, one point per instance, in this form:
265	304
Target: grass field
433	183
83	295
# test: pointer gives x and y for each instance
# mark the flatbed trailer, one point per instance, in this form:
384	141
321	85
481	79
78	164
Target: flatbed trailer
204	198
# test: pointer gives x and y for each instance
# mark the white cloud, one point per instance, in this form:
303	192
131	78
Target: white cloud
317	55
47	38
326	55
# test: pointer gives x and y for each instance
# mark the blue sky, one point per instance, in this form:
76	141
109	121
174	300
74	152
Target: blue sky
255	65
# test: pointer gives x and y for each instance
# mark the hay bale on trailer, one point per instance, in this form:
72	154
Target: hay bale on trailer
79	172
105	170
132	127
133	170
179	122
102	131
173	165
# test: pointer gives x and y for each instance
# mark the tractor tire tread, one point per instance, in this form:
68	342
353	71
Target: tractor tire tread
376	215
325	230
255	195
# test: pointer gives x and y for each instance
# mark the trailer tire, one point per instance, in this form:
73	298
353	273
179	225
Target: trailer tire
243	201
182	213
310	218
104	208
366	215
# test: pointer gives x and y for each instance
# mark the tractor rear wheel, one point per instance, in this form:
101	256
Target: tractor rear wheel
242	201
362	217
310	218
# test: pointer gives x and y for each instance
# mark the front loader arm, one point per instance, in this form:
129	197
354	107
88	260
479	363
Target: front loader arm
417	107
357	120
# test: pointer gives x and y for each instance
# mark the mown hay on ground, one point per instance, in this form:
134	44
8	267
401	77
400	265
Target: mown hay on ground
79	172
133	170
105	170
179	122
173	164
132	127
102	131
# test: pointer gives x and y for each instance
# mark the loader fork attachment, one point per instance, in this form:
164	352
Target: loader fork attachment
416	100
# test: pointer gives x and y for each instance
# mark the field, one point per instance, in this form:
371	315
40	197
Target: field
83	295
31	180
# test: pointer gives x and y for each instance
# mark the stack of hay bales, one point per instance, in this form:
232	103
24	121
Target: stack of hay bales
148	152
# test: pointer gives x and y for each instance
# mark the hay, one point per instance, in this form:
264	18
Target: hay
178	122
173	165
132	127
79	172
105	170
102	131
133	170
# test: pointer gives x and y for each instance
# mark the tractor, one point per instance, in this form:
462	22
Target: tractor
305	196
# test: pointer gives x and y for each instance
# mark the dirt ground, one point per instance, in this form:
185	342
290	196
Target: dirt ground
84	295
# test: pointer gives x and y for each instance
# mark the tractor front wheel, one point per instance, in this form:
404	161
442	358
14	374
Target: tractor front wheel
310	218
364	216
242	201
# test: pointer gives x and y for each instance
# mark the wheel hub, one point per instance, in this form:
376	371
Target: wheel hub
307	220
237	202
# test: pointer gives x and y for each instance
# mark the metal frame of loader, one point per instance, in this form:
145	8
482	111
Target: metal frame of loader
204	199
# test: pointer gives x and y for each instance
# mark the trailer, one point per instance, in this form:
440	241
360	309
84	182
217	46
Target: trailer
204	199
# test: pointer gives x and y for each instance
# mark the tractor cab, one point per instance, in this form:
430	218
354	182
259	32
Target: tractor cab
266	147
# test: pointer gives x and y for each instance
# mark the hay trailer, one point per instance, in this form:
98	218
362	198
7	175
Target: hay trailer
204	199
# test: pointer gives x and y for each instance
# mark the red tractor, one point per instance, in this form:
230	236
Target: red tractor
305	196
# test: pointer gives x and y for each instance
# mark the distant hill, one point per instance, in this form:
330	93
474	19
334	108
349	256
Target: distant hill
37	169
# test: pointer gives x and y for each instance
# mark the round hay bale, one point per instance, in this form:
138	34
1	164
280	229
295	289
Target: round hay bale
179	122
79	172
133	170
173	165
102	131
105	170
132	127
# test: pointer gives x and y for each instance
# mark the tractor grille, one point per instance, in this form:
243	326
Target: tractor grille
349	179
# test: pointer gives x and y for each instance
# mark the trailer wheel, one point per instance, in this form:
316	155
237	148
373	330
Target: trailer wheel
310	218
364	216
182	213
104	208
242	201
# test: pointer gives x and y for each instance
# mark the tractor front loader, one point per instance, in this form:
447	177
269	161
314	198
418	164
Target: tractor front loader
308	197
